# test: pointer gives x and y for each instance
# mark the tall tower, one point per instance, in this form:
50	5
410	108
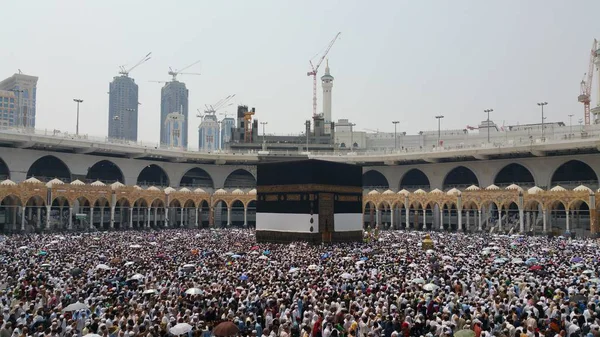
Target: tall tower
174	126
24	88
174	98
123	108
327	84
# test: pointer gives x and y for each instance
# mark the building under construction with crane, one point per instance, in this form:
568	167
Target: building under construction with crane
123	104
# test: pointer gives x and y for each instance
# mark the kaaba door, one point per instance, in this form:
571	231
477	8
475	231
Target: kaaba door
326	225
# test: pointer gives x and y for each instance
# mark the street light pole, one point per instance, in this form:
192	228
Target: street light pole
488	121
263	125
395	135
570	124
77	125
352	137
439	118
542	105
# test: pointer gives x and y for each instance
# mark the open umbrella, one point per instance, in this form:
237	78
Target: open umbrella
103	267
465	333
418	281
293	270
430	287
150	291
226	329
193	291
180	329
75	307
313	267
576	259
130	263
135	246
346	276
76	271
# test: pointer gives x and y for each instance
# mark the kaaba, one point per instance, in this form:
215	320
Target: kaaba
309	200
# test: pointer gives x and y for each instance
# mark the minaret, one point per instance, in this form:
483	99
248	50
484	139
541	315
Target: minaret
327	83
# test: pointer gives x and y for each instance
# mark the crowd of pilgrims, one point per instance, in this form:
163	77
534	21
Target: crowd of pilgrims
145	283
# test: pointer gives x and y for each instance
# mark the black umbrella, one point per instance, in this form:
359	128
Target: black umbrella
76	271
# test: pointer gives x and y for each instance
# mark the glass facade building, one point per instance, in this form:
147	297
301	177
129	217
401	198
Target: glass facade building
123	109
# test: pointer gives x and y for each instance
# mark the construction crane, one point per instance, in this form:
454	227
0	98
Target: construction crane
315	69
125	72
212	109
174	73
585	94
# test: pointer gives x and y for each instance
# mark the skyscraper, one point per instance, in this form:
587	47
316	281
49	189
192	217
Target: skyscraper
327	84
208	134
24	88
174	98
7	108
123	108
227	125
174	125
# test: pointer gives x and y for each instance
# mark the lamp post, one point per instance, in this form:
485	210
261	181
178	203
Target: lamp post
570	124
263	125
439	118
351	137
488	121
542	105
395	135
77	125
307	127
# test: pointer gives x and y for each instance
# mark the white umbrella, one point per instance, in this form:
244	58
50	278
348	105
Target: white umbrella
75	307
313	267
103	267
418	280
430	287
360	262
446	257
130	263
254	252
429	251
150	291
45	265
154	243
588	272
189	266
229	253
137	277
346	276
23	248
293	270
595	280
135	246
446	267
263	257
517	261
92	335
193	291
346	258
180	329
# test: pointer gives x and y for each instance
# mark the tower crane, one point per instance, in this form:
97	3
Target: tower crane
586	85
315	69
174	73
125	72
212	109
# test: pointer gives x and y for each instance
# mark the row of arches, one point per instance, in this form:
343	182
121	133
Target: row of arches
573	172
555	217
50	167
34	215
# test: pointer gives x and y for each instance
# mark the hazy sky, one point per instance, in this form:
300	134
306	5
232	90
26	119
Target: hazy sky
396	60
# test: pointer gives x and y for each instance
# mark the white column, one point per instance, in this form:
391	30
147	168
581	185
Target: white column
181	217
112	217
148	220
521	221
479	216
376	217
424	220
167	217
229	216
23	209
101	217
499	219
459	219
39	216
245	216
392	224
568	225
544	220
47	217
197	217
156	217
407	216
468	217
130	217
91	217
441	218
14	219
70	218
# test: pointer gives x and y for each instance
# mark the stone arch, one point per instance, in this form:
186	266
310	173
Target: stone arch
556	212
369	214
460	177
106	171
573	173
237	213
197	177
34	211
577	203
220	212
153	175
214	203
514	173
240	178
49	167
373	179
251	214
140	213
204	213
10	207
122	213
414	179
4	170
101	216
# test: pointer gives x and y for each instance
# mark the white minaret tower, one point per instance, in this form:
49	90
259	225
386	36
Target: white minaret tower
327	83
